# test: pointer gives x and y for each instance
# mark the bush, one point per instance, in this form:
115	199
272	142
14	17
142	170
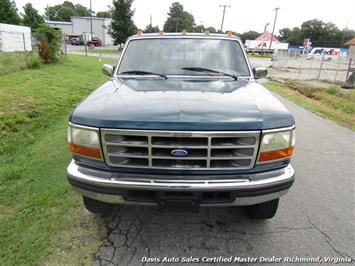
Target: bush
49	44
333	89
44	52
308	91
34	61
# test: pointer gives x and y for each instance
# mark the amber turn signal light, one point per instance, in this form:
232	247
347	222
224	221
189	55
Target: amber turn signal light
275	155
86	151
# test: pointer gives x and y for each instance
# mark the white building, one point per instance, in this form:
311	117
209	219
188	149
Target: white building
82	26
15	38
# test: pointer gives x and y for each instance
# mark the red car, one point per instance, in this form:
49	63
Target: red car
94	41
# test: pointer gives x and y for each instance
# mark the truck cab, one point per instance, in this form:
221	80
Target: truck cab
182	124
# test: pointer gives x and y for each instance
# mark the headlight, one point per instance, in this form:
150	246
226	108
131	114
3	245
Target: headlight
84	141
277	145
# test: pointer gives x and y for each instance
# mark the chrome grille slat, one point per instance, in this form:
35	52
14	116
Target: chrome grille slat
127	155
215	150
232	158
128	145
198	147
180	158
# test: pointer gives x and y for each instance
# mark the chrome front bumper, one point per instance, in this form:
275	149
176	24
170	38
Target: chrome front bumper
254	188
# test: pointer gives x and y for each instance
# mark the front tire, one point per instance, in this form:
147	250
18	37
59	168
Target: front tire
96	206
265	210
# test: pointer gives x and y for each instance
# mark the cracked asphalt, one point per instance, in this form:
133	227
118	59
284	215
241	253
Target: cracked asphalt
316	218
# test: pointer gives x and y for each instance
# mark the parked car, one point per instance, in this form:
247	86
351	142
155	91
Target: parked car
182	124
74	41
94	41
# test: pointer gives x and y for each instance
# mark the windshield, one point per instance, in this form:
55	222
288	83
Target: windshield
180	57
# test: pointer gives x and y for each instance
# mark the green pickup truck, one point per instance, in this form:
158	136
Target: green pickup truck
182	124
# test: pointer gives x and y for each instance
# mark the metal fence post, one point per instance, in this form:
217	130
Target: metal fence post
300	69
65	44
348	72
24	47
338	67
85	44
321	66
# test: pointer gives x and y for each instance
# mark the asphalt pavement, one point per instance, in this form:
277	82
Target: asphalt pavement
315	219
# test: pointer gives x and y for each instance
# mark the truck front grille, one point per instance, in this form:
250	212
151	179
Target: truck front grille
205	150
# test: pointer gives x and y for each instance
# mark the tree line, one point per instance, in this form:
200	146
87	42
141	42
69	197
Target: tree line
320	33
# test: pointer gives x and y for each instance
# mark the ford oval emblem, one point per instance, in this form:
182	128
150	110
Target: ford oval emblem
179	153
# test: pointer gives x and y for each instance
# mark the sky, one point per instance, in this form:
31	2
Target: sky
241	16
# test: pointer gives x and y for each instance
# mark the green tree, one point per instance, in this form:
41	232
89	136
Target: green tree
150	29
314	29
285	34
82	11
320	33
178	19
31	17
249	35
8	12
103	14
122	25
63	12
211	29
199	28
292	36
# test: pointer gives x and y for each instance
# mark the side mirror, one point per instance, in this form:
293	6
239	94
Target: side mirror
260	72
108	69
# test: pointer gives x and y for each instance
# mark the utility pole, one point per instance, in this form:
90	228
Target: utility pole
150	20
90	21
224	11
273	28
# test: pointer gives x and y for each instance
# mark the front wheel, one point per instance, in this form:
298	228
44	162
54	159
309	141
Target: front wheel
265	210
96	206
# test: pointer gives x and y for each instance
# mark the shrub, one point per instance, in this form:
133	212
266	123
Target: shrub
333	89
44	52
34	61
307	91
49	44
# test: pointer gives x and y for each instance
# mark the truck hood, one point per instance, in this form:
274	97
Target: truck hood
176	104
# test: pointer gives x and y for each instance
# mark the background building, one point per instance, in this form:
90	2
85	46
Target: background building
14	38
81	26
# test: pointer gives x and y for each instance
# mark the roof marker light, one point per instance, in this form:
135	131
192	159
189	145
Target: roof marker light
230	34
139	33
183	31
161	32
207	32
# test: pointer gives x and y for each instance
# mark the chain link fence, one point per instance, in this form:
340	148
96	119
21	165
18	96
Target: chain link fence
298	66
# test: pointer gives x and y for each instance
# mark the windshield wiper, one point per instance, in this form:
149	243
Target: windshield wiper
206	70
142	72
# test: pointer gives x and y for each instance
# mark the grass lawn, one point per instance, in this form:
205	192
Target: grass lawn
331	103
10	62
42	221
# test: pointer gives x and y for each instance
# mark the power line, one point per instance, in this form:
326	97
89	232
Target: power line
224	11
